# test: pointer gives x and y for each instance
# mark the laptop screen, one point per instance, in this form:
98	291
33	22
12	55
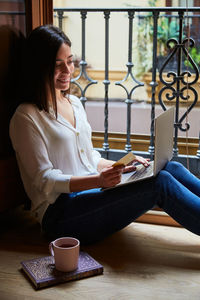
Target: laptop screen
164	130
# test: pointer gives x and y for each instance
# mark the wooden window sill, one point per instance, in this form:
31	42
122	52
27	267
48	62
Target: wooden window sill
158	217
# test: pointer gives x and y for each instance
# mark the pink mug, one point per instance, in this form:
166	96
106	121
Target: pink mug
66	253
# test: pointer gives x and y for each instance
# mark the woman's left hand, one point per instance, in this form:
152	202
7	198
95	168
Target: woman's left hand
142	160
131	167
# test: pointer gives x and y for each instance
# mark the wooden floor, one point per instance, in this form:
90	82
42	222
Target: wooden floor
142	261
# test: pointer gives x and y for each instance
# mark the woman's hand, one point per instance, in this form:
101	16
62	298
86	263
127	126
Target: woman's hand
110	176
142	160
131	167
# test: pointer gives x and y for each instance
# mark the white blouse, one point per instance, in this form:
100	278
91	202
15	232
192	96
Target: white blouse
49	151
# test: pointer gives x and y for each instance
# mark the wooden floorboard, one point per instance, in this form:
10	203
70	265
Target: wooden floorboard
143	261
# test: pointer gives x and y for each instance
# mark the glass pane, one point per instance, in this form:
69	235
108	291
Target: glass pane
13	13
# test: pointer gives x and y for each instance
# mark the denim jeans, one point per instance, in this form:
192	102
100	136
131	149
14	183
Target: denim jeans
94	214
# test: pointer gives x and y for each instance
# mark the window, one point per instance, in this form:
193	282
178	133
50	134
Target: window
13	13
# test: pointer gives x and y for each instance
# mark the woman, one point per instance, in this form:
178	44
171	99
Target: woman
63	175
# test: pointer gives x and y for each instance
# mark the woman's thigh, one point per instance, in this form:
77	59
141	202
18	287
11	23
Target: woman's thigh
94	214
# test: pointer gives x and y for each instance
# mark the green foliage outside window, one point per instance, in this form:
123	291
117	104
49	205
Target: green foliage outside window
195	55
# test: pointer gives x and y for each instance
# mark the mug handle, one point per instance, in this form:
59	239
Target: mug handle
51	249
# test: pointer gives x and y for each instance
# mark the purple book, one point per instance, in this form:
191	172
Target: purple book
42	272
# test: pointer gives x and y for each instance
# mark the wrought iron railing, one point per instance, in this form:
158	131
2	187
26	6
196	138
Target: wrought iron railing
12	17
177	87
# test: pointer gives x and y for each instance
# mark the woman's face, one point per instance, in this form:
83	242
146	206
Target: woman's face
64	68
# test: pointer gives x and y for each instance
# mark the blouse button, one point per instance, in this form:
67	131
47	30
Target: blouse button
77	133
82	150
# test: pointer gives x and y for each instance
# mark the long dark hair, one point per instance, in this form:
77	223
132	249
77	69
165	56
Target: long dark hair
42	46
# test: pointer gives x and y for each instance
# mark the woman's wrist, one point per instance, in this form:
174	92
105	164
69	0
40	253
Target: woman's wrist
94	180
84	182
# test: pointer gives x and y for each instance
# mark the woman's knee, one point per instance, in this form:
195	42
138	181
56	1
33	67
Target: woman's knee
164	178
164	174
173	166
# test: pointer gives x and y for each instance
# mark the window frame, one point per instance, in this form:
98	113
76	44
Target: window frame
38	12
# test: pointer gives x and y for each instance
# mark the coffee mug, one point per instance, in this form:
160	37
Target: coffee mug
66	253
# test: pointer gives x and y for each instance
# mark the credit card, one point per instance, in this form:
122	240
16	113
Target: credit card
125	160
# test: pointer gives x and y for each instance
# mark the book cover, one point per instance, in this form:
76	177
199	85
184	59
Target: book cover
42	272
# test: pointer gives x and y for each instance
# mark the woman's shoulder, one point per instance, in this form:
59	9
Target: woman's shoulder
27	109
25	112
76	102
74	99
22	116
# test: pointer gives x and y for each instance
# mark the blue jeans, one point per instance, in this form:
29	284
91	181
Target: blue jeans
92	215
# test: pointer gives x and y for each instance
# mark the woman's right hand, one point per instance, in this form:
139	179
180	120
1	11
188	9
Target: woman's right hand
110	176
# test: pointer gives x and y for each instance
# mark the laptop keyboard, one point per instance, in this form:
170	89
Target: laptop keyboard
141	173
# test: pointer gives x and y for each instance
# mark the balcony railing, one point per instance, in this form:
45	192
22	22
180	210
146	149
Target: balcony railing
176	89
13	18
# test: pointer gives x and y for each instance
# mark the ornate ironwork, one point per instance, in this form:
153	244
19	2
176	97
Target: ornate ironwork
60	18
129	73
153	83
14	15
179	85
83	65
106	82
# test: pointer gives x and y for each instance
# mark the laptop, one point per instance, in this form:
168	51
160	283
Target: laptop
164	129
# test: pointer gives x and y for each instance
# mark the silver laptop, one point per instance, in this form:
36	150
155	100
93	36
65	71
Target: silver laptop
164	129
